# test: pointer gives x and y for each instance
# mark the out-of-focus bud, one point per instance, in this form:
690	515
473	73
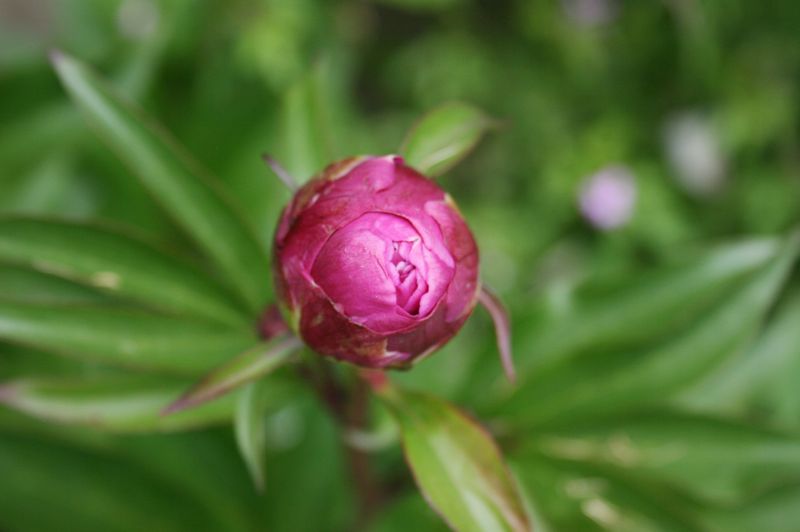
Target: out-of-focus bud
694	154
608	198
137	19
374	264
590	13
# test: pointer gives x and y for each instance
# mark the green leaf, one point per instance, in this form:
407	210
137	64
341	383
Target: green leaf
456	464
195	200
309	487
408	512
577	495
712	457
255	403
777	510
247	367
23	284
114	262
117	404
645	308
609	382
124	338
251	435
51	485
443	137
306	146
764	376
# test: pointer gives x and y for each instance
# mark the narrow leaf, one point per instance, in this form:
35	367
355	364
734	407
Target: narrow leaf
250	428
122	337
19	283
776	510
443	137
97	489
250	433
767	372
195	200
249	366
114	262
713	457
606	382
577	495
117	404
647	307
456	464
306	141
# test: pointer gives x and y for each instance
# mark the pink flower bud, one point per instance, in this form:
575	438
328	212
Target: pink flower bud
374	264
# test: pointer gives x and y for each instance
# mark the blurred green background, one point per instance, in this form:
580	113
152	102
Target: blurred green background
633	207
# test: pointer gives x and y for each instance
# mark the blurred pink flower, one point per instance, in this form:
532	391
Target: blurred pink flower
607	198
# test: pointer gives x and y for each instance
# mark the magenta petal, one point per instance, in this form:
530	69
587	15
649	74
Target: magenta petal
399	286
502	328
350	270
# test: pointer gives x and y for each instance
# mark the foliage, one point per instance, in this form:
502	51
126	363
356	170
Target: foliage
656	364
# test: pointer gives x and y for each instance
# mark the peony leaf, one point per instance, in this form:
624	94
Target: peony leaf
116	404
19	283
457	465
765	374
443	137
195	200
776	509
255	402
712	457
651	306
102	488
247	367
306	141
114	262
576	495
124	338
610	382
251	436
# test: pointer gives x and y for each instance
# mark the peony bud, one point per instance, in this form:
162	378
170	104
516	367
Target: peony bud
374	264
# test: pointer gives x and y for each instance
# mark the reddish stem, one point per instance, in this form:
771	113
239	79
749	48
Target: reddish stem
271	323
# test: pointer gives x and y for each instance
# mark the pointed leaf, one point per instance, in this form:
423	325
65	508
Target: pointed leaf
575	495
249	366
456	464
114	262
195	200
255	402
443	137
97	489
776	510
306	141
19	283
122	337
713	457
647	307
610	382
251	434
767	372
117	404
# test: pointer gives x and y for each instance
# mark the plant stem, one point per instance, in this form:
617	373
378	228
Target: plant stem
349	407
366	486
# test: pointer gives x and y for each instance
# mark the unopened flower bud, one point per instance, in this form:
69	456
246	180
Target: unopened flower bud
374	264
